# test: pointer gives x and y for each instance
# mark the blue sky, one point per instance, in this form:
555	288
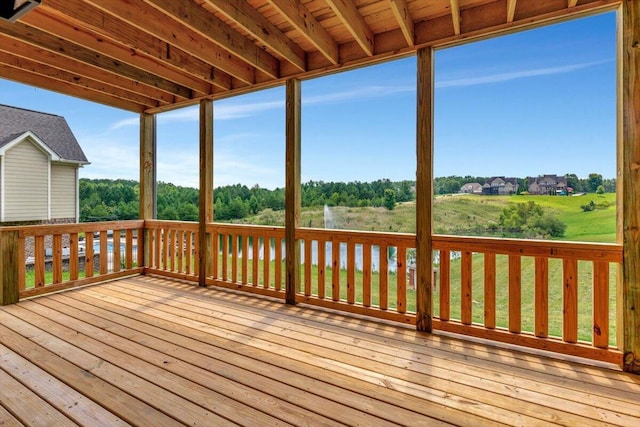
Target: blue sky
530	103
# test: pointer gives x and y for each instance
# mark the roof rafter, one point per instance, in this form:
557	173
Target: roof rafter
403	16
154	22
39	38
573	3
135	40
191	15
511	10
455	15
355	23
240	12
302	20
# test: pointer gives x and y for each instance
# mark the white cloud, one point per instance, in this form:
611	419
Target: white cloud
514	75
134	121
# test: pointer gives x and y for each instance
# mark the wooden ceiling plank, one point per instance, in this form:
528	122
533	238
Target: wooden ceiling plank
135	40
511	10
198	19
56	60
64	88
57	74
304	22
46	41
351	18
150	20
241	12
405	21
43	19
455	16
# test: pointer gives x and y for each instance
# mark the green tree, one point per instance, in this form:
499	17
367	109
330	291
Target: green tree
600	189
389	199
593	182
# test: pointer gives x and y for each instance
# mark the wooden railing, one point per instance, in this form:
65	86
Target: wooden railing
172	249
55	257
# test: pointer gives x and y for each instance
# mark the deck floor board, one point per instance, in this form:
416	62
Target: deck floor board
152	351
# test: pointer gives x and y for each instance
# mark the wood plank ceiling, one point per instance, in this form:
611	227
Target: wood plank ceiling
155	55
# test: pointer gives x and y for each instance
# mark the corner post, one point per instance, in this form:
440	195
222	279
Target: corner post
9	254
206	254
292	188
148	180
629	151
424	191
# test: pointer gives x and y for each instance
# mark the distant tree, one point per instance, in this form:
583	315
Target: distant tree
600	189
574	182
531	220
593	182
389	199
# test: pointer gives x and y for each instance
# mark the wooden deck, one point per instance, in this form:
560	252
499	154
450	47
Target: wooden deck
153	352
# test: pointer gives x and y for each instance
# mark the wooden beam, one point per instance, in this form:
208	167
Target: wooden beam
424	191
9	292
351	18
70	29
148	180
42	40
455	16
152	21
630	306
200	20
403	16
303	21
511	10
205	254
292	188
572	3
136	41
241	12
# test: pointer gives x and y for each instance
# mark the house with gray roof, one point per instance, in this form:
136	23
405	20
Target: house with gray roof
39	162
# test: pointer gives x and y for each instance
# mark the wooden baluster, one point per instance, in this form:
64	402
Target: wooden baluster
165	249
116	251
88	254
383	286
255	279
541	297
215	253
366	275
466	289
570	300
351	272
157	245
22	280
278	263
322	268
601	304
172	250
445	285
225	256
73	256
401	276
57	258
188	252
490	290
104	253
266	262
234	258
140	244
515	293
245	259
307	266
196	251
335	270
180	250
128	258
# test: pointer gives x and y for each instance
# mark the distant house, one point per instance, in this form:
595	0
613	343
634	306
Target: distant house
471	188
499	185
548	185
39	162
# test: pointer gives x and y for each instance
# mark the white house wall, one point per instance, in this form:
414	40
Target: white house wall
26	183
63	191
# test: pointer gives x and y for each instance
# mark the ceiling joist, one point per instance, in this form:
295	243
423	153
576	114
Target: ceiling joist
455	16
403	16
511	10
354	22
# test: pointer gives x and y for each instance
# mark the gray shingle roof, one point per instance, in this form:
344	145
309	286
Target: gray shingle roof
51	129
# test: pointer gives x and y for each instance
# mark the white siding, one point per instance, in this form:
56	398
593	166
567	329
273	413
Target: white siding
63	191
26	183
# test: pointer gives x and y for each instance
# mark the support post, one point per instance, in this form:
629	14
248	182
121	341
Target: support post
9	292
292	188
629	288
206	254
148	180
424	191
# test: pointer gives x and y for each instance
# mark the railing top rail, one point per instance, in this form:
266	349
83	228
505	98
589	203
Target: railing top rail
262	230
47	229
373	237
606	252
183	225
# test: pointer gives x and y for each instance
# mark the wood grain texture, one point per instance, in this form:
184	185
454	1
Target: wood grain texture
292	187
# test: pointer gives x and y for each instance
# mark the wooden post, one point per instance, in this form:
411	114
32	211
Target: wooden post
148	206
424	191
292	189
205	253
629	314
9	292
